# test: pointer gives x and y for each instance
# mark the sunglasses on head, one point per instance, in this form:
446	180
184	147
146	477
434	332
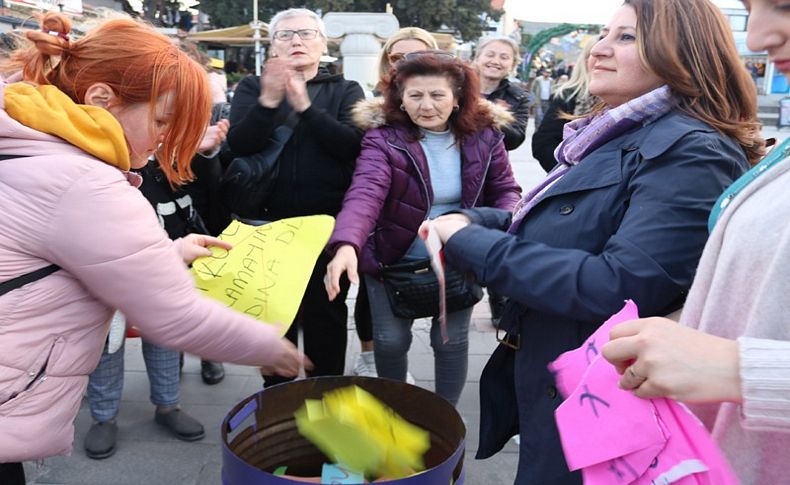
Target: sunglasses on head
441	55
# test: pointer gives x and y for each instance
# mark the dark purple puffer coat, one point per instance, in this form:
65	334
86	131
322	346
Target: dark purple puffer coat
391	191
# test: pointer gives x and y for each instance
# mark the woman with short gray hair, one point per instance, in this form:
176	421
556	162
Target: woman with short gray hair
315	164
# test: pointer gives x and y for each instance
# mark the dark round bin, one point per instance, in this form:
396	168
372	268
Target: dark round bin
259	434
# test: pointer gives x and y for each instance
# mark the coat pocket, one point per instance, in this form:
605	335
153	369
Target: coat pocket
30	377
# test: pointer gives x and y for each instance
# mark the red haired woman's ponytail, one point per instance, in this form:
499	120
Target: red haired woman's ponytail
51	41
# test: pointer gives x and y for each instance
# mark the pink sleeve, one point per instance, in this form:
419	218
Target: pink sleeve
106	234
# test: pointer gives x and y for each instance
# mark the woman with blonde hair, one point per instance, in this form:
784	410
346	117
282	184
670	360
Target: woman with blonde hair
79	241
624	215
407	39
497	58
571	98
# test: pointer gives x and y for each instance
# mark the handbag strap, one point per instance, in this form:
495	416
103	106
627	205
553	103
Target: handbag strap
20	281
24	279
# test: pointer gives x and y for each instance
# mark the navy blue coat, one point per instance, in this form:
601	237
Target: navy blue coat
628	222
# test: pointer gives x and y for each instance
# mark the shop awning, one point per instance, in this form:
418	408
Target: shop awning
238	35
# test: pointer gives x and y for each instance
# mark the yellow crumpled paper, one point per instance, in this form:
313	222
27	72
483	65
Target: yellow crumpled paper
266	273
352	427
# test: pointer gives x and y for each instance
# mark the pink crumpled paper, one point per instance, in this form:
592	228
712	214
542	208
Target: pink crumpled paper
615	437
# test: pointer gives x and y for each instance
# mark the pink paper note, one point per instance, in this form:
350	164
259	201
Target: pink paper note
434	245
615	437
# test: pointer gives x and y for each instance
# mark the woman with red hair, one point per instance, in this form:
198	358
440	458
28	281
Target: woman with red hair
84	113
431	148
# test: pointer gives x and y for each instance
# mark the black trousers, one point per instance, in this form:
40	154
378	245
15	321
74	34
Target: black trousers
12	474
324	324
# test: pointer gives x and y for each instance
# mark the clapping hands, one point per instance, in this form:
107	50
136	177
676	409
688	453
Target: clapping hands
281	81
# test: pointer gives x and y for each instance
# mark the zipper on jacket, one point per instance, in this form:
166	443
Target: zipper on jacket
483	180
40	376
294	161
422	178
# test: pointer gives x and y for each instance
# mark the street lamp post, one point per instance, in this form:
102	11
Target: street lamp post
256	36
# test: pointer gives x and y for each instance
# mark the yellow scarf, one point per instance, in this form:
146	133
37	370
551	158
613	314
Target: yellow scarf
47	109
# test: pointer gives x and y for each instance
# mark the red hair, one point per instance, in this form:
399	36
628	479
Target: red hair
470	117
139	64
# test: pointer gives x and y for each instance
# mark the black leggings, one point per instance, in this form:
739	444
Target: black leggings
362	316
12	474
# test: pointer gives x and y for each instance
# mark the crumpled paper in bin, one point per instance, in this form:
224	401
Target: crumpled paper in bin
352	427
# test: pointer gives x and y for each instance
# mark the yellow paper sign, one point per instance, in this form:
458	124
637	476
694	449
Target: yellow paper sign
354	428
266	273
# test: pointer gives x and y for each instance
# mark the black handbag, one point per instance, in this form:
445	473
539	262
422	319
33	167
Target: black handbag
247	183
413	290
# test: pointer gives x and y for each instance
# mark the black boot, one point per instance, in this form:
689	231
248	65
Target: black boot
211	372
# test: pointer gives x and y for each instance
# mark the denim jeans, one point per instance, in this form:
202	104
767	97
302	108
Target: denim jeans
392	338
106	382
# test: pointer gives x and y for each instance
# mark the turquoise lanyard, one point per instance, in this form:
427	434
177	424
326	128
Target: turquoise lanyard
777	155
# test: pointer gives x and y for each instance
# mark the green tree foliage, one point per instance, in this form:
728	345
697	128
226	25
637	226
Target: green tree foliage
544	36
228	13
461	16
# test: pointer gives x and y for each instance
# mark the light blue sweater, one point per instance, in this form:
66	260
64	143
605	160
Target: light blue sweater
444	164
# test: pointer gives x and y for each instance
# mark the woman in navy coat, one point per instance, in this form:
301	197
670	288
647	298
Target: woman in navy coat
622	216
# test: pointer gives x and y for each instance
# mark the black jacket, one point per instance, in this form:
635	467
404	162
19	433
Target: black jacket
518	99
317	162
191	208
549	134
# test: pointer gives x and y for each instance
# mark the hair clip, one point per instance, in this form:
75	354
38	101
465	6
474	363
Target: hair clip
57	34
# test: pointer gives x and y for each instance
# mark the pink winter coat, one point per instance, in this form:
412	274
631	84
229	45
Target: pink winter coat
60	205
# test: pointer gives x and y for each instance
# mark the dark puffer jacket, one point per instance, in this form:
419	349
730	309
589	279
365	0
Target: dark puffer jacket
391	192
518	100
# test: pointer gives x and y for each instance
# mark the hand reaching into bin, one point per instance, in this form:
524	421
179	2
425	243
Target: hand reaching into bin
289	362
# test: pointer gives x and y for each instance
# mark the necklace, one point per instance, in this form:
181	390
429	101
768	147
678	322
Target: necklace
778	154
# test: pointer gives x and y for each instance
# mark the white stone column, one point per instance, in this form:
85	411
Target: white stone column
361	46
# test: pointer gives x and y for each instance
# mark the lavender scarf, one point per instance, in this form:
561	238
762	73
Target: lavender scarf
582	136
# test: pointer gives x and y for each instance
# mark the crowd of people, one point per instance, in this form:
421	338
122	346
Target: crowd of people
658	190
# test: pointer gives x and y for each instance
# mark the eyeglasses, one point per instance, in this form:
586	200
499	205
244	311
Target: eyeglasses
304	34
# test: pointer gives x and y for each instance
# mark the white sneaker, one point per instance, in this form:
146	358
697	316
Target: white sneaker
410	379
365	365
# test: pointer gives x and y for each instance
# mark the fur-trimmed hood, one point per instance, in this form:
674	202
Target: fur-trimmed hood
369	113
